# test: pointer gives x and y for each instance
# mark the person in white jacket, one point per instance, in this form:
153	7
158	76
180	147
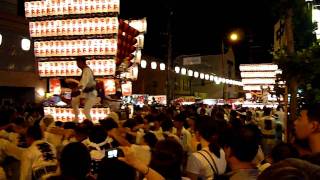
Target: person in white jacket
87	90
39	160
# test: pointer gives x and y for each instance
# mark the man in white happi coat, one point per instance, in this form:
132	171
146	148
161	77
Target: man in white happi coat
86	90
39	160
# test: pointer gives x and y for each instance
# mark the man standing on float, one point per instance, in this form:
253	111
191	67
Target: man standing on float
86	90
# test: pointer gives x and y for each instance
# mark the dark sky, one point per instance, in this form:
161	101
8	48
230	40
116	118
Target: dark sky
198	26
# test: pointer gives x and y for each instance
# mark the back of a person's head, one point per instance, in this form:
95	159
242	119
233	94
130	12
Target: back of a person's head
47	120
20	121
162	117
69	125
108	124
244	143
167	158
219	115
97	134
87	123
267	111
130	123
150	139
291	169
209	130
82	131
283	151
167	125
138	119
58	123
313	111
75	160
279	107
233	114
34	132
180	118
114	169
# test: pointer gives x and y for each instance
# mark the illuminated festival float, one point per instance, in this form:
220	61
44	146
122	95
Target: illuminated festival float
65	29
259	81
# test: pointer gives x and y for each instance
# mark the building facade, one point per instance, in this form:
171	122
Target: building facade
217	65
18	78
153	81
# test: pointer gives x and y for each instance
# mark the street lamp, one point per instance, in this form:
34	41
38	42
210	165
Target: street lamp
234	37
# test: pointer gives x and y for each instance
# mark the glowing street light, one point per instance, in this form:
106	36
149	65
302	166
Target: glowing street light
234	37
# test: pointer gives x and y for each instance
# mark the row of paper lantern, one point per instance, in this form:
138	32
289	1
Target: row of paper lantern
191	73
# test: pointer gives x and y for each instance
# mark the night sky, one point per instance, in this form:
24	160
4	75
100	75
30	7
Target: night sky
199	26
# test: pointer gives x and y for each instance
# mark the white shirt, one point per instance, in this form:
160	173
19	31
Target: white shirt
11	136
39	155
197	164
184	139
158	134
281	117
2	174
87	80
9	149
264	129
142	153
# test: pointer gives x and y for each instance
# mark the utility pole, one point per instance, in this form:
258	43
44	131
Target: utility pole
223	70
169	63
293	84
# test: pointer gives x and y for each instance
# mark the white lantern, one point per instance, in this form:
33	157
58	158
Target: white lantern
177	69
201	76
211	78
190	73
196	74
216	79
206	76
25	44
0	39
143	64
183	71
162	66
135	72
153	65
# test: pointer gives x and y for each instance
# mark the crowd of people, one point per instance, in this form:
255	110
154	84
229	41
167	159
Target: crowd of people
173	143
